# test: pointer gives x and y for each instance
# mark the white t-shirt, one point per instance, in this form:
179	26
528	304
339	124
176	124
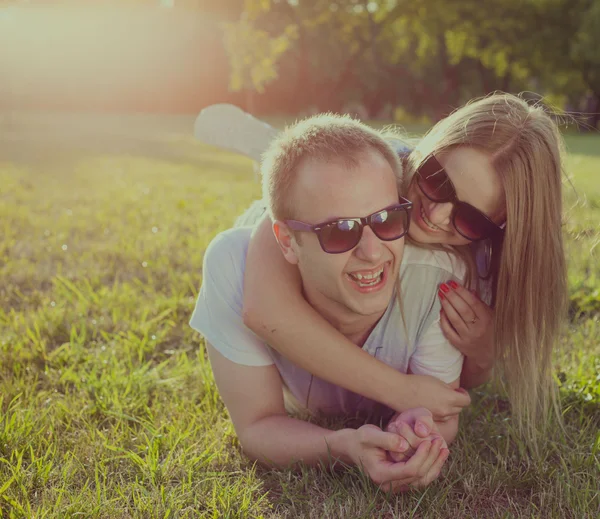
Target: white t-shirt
422	348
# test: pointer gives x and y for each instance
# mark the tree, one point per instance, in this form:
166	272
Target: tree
428	56
585	52
254	52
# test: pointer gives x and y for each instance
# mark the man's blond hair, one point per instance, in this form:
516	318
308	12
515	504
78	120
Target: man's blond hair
324	137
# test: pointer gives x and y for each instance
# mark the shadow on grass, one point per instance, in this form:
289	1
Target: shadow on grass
65	151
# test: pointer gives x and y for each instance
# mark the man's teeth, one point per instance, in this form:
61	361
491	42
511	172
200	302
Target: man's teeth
370	278
370	275
429	224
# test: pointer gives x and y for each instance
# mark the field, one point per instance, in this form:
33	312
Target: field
108	408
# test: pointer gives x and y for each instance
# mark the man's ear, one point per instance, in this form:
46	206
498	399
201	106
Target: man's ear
286	241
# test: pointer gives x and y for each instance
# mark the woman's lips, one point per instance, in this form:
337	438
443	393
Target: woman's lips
422	223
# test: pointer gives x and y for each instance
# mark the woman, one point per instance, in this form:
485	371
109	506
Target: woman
486	184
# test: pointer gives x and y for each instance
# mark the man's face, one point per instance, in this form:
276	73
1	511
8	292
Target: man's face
332	282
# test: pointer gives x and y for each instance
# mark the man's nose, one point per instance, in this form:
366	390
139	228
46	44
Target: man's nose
369	247
439	214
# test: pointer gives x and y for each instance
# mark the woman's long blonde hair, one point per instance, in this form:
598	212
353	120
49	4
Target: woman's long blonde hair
526	150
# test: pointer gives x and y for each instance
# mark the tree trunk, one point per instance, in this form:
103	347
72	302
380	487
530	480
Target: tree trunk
595	116
449	97
484	77
249	101
304	87
506	82
374	102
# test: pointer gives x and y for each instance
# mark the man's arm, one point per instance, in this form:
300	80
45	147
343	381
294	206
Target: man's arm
251	387
248	381
254	398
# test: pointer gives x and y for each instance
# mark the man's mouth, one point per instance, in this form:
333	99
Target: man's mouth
368	280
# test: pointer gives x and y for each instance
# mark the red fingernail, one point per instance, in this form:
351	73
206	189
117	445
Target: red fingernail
445	287
453	284
440	295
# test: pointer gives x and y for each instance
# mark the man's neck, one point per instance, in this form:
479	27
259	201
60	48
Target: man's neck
353	326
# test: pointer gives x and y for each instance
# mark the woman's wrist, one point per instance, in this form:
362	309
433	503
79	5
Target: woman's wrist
475	372
481	363
395	396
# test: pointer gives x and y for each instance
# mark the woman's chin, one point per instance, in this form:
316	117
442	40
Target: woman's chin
421	236
418	235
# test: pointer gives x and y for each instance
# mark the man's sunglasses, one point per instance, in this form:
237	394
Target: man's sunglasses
469	221
343	234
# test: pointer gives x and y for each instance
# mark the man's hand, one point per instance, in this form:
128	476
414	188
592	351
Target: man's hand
414	426
440	398
368	446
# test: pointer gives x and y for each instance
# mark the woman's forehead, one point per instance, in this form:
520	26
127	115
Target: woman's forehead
475	178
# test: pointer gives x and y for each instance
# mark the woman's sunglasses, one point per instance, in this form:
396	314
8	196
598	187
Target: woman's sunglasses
469	221
343	234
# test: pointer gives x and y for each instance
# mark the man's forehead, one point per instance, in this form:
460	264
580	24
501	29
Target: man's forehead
334	189
320	168
334	160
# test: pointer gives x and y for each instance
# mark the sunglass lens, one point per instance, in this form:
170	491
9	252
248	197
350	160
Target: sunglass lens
434	181
340	236
472	223
390	224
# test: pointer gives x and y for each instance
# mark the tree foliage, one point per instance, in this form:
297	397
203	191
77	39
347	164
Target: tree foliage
254	53
427	56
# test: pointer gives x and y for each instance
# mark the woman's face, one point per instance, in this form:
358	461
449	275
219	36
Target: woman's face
476	182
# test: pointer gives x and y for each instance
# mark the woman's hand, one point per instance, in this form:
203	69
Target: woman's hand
468	323
444	402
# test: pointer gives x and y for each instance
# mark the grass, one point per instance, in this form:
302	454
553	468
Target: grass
108	408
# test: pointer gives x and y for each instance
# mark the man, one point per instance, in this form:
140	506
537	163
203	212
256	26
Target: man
331	188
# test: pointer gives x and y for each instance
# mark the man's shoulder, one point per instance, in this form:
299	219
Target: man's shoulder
232	243
218	314
225	257
420	258
234	237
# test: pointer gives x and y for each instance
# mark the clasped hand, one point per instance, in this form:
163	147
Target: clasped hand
400	457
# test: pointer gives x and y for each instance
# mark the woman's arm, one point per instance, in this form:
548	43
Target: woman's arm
474	375
468	323
275	309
